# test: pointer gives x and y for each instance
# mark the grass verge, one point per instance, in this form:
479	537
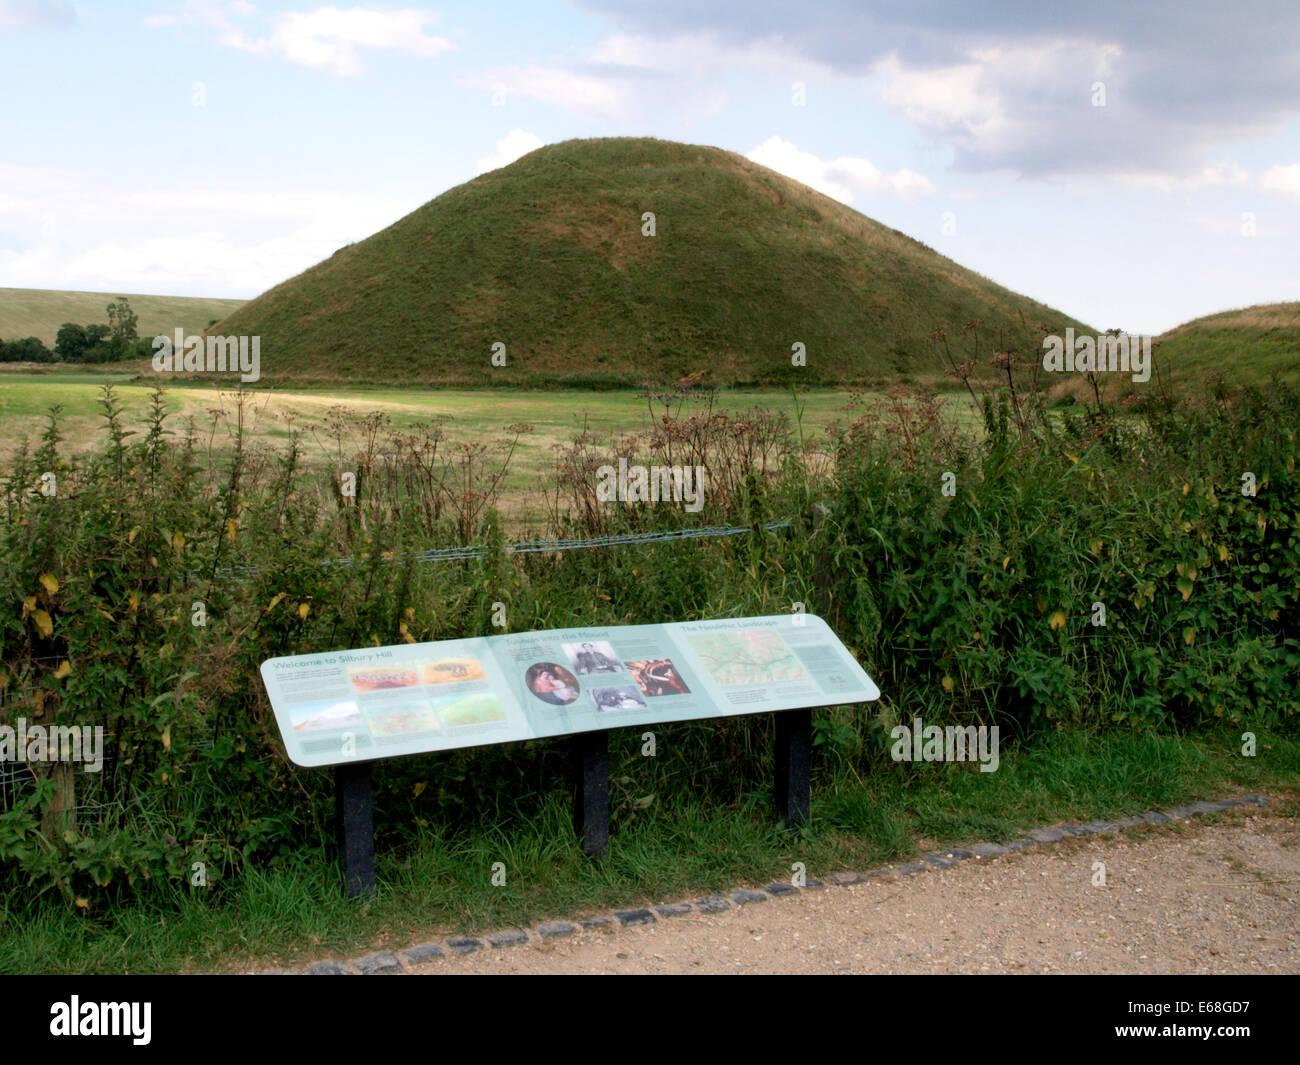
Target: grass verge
290	913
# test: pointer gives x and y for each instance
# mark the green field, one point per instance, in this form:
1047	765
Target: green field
471	416
38	312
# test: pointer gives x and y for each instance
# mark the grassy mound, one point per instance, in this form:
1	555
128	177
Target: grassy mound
548	257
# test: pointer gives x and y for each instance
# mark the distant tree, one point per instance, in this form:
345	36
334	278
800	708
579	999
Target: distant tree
98	346
29	349
121	327
70	342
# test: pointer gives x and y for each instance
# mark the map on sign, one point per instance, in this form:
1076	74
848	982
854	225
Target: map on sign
378	702
747	657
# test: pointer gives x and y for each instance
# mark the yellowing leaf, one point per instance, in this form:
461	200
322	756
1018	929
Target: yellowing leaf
83	904
406	635
1186	488
43	623
65	669
130	537
167	738
1005	561
232	527
304	609
50	582
947	683
1057	620
132	600
29	604
1189	634
419	787
1185	586
1223	553
275	601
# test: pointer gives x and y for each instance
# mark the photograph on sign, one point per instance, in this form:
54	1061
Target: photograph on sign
343	706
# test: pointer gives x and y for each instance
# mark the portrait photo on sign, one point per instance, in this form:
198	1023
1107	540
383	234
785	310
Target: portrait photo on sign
657	676
624	698
594	656
551	683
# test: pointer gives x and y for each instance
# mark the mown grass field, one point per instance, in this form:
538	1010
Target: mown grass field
475	416
38	312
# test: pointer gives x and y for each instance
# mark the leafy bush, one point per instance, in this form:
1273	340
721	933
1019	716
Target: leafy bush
148	579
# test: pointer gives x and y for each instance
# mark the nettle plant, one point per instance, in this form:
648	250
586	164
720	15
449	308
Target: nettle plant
1097	569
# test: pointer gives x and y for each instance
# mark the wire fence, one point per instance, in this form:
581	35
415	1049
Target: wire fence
453	554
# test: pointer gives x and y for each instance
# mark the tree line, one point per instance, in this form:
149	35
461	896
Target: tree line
114	342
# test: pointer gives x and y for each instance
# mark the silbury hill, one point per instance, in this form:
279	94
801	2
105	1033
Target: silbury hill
551	258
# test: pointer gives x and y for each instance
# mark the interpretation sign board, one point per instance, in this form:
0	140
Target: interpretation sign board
381	702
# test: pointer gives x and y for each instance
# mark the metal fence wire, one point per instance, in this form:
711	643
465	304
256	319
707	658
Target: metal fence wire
453	554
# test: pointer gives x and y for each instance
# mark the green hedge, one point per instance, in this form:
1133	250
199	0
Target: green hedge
969	598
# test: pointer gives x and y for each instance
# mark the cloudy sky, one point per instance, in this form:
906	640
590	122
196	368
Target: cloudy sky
1135	165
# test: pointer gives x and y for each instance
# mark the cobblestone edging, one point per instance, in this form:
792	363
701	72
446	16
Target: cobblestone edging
399	961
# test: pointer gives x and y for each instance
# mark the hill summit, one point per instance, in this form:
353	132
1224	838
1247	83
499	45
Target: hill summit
613	262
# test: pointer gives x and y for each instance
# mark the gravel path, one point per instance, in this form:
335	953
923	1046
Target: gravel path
1204	896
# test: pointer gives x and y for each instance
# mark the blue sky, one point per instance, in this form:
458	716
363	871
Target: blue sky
1133	165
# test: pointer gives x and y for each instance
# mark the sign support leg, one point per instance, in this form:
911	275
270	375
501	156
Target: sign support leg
589	762
356	827
793	760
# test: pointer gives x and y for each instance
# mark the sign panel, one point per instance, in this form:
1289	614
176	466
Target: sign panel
346	706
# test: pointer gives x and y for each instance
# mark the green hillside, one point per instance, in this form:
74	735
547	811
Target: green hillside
547	257
1251	344
38	312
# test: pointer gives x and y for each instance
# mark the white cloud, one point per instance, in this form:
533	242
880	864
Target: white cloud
516	143
1282	179
327	39
998	100
34	14
625	77
585	95
943	98
838	178
74	232
1217	175
700	54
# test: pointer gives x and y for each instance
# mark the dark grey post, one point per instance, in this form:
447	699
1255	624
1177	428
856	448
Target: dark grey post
793	759
589	766
356	827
